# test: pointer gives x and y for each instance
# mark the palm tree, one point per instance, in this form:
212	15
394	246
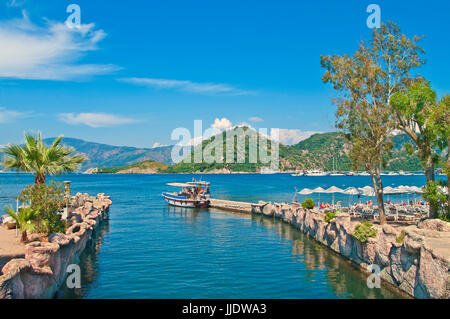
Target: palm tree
42	160
24	219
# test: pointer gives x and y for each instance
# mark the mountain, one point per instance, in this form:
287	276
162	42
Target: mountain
145	167
103	155
224	167
327	151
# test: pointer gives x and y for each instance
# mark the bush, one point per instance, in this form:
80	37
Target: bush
445	217
363	231
308	203
25	220
400	237
330	215
436	198
47	200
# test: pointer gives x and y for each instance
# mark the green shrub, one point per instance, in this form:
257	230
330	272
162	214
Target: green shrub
308	203
25	220
400	237
330	215
363	231
47	200
445	216
436	198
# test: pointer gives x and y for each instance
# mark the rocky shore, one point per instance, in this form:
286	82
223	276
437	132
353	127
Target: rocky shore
45	266
413	259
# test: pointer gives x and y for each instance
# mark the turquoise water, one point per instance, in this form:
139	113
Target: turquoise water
150	250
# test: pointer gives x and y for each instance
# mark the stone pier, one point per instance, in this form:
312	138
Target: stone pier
45	266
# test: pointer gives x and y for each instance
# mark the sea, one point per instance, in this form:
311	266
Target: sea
147	249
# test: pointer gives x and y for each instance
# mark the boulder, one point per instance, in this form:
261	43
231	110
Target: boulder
9	222
434	224
16	264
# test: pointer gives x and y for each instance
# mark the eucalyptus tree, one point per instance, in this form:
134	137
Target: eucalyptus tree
366	82
36	157
415	110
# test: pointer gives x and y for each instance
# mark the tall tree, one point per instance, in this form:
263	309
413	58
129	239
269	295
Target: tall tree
414	110
41	160
366	81
441	120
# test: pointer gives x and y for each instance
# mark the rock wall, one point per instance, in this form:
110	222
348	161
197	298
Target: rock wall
44	269
418	265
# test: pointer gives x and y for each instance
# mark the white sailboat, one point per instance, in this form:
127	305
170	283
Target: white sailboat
316	172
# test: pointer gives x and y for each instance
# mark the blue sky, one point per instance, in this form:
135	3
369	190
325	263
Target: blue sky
136	70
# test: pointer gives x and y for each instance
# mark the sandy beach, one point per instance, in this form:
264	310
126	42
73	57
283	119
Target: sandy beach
10	247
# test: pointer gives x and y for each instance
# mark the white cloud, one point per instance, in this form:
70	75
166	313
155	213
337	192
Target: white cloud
48	52
291	137
255	119
9	116
187	86
157	144
95	120
221	124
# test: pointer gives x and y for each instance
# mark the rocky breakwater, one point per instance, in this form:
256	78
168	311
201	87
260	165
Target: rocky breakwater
45	266
414	259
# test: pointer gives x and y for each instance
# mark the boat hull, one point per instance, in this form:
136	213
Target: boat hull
180	201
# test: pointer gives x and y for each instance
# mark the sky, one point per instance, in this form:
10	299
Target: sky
135	70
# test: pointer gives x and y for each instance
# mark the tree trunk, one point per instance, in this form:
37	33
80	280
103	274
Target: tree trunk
24	238
378	189
448	177
429	173
39	178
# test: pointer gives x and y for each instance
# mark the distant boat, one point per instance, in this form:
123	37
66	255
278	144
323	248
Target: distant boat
364	174
316	172
350	173
298	174
393	174
336	174
193	194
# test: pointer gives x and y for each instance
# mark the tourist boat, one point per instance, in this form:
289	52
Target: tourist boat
337	174
298	174
193	194
350	173
316	172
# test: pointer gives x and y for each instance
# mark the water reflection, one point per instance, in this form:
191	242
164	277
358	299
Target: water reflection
344	278
88	265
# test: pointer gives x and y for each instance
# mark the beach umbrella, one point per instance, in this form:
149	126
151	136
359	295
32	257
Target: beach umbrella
367	191
306	191
319	190
334	189
389	190
402	189
351	191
